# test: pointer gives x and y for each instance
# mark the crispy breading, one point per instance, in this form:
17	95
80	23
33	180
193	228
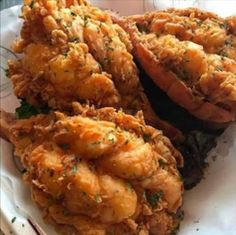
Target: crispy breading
98	171
73	51
183	51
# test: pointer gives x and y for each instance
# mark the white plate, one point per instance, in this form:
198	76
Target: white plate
210	208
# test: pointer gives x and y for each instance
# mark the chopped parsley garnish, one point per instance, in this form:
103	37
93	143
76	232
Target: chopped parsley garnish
153	198
110	48
105	61
161	163
58	20
86	20
228	41
31	5
142	28
222	26
129	186
74	169
6	72
181	215
146	137
175	230
111	137
73	14
219	68
13	220
26	110
74	39
78	160
65	54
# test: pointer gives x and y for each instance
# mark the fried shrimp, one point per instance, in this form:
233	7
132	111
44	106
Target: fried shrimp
97	172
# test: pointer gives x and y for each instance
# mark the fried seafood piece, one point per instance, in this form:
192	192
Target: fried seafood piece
215	34
98	171
183	59
72	51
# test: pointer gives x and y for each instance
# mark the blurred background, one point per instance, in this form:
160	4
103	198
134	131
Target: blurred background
139	6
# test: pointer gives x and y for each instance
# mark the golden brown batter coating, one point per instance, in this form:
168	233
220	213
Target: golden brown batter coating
99	171
72	51
184	52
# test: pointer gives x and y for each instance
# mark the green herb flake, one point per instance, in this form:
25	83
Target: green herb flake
222	26
219	68
74	39
181	215
129	186
146	137
161	163
175	231
6	72
110	48
105	61
13	220
73	14
31	5
228	41
111	137
58	20
86	20
154	198
65	54
26	110
74	169
142	28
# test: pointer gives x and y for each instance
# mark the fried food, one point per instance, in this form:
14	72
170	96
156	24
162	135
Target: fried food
189	54
73	52
99	171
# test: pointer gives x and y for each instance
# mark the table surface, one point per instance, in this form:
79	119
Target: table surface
9	3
